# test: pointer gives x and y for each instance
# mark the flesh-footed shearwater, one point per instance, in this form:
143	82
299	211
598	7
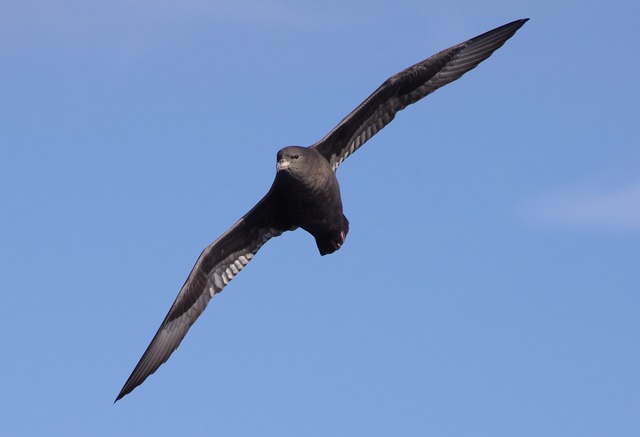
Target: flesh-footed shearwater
305	193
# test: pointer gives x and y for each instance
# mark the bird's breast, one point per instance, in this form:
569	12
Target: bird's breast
312	203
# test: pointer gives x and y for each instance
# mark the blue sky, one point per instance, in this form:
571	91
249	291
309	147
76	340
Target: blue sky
489	282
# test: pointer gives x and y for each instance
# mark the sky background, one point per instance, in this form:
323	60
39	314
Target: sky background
489	285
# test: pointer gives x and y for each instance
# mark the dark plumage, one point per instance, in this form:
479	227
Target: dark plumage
305	193
310	196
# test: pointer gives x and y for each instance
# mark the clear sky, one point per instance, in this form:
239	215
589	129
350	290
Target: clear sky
490	282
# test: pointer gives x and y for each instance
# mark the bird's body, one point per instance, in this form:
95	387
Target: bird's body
310	196
305	193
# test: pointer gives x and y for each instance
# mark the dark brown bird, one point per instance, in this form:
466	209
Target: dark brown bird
305	193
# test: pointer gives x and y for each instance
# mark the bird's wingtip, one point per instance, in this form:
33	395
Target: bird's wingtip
121	395
517	23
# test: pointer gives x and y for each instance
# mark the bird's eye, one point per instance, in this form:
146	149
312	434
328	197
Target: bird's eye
295	156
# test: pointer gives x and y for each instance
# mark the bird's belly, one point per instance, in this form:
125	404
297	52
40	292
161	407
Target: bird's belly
315	205
315	212
321	216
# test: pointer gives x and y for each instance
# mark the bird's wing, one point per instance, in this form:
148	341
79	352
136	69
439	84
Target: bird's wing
407	87
216	267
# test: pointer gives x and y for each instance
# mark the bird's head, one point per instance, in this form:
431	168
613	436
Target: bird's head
293	159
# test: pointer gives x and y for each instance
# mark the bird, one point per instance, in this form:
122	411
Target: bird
305	192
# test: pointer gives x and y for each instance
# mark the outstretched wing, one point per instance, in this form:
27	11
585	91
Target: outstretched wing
216	267
407	87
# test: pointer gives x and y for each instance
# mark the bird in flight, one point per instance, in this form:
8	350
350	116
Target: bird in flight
305	193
